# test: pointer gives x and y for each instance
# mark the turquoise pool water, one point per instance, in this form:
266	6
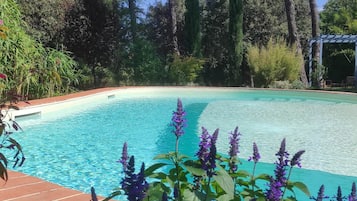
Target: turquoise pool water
79	147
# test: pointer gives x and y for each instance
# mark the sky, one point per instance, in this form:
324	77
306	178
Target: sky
321	3
146	3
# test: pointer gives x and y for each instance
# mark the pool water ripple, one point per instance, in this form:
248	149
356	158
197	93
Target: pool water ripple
80	150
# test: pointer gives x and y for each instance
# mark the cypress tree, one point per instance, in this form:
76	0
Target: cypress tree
192	28
236	33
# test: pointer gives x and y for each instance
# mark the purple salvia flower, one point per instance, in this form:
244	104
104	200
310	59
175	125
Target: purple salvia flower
207	151
129	177
204	146
214	136
320	195
233	141
164	197
141	185
93	194
176	191
178	119
212	161
124	157
275	192
353	196
134	185
297	159
339	194
256	155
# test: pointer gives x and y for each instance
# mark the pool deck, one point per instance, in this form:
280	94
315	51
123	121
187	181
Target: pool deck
22	187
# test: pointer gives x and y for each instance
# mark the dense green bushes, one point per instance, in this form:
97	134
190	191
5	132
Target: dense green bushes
32	70
275	62
185	70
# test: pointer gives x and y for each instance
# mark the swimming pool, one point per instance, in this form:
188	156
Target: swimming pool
77	146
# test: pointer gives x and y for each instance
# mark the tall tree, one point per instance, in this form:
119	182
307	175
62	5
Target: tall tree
215	42
315	33
173	19
339	17
293	38
192	28
236	35
132	11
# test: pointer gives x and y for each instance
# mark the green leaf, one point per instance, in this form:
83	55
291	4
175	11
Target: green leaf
265	177
194	168
243	173
302	187
182	156
3	158
189	195
162	156
225	181
227	197
150	170
3	172
261	199
12	141
112	195
158	175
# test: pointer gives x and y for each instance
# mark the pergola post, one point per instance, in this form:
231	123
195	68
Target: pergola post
310	62
355	65
321	50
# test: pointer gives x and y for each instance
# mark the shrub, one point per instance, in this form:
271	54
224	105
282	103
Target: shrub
274	62
8	145
184	70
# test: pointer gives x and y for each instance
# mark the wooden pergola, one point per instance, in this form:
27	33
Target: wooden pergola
332	39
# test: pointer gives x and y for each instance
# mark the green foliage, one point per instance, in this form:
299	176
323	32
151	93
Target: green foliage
236	34
274	62
216	43
45	19
339	17
192	28
31	68
10	149
184	70
264	20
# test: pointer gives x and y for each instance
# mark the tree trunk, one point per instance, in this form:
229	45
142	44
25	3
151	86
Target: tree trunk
173	15
315	33
294	37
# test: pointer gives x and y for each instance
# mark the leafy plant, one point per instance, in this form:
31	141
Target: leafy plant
211	176
8	145
274	62
184	70
30	67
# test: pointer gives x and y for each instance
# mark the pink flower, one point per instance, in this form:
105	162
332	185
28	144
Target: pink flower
1	22
2	76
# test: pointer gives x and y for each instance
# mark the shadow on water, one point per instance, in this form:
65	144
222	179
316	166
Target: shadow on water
188	143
